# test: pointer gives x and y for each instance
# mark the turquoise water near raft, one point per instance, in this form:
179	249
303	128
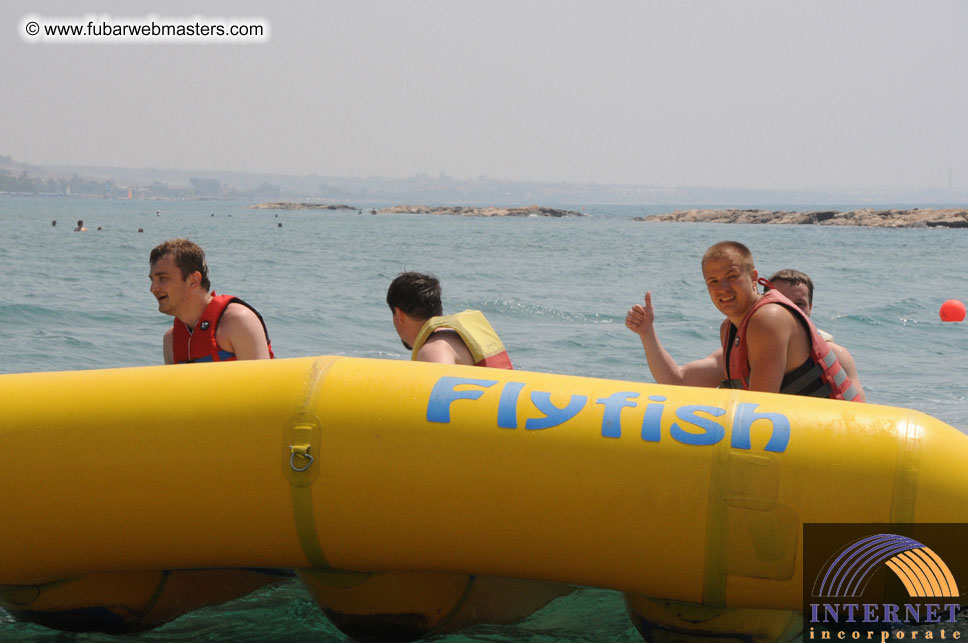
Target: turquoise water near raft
556	290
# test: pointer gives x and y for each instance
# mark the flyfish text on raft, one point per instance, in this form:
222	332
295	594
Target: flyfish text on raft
704	430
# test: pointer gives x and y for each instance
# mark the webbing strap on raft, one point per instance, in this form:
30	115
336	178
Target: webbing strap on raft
449	616
155	597
714	572
302	508
301	462
301	456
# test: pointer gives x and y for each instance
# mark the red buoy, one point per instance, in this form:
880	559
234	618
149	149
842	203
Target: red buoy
952	311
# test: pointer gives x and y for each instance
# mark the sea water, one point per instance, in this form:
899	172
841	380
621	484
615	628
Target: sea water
556	289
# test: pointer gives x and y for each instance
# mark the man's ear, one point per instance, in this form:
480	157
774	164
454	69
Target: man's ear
195	279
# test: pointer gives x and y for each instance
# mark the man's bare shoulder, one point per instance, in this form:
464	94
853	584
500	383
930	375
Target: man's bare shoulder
438	351
241	332
238	312
772	312
445	347
773	319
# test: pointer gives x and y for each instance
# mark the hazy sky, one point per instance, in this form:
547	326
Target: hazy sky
772	94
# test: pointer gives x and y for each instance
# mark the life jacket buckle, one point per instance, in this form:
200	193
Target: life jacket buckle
301	450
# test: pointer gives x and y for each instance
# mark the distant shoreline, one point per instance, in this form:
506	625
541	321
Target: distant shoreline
463	211
467	211
867	217
292	205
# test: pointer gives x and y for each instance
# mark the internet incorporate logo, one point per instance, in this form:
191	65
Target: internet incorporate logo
920	570
883	586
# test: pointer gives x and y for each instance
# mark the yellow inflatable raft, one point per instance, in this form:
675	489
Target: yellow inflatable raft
347	465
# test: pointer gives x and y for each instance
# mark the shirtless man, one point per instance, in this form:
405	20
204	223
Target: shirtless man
767	345
798	288
207	327
463	338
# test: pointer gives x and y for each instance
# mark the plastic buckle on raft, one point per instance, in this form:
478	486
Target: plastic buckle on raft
301	449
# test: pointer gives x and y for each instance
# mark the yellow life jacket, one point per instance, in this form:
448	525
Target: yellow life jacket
476	332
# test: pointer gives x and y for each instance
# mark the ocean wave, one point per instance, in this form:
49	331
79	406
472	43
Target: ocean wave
31	314
41	316
523	310
861	319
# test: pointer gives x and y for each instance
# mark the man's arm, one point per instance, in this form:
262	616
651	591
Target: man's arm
167	347
240	332
847	361
445	347
707	371
769	336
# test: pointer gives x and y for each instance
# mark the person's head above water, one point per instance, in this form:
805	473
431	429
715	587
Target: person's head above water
187	255
730	276
796	286
730	250
416	294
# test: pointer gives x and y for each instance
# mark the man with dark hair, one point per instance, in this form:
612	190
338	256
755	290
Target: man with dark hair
798	288
416	294
463	338
768	344
207	327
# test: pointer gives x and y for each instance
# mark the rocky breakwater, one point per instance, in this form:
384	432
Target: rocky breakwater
289	205
915	218
463	211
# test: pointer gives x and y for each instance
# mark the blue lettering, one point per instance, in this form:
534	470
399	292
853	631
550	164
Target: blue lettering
851	611
443	393
612	416
890	613
553	415
746	415
953	609
652	422
831	613
507	409
712	433
696	425
912	613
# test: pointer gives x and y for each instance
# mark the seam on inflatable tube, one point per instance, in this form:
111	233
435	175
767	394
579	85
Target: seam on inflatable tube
714	567
302	496
907	471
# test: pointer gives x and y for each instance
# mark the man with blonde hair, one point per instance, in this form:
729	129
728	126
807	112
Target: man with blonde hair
767	343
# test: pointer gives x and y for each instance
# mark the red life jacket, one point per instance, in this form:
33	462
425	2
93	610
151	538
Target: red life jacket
820	376
199	345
